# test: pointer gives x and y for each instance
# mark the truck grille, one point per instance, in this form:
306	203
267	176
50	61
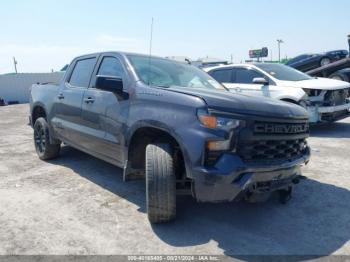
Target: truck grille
272	149
336	97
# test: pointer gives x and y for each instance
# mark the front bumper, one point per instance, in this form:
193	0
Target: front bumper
328	113
231	176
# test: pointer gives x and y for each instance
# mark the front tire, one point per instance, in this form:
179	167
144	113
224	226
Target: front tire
44	147
325	61
160	183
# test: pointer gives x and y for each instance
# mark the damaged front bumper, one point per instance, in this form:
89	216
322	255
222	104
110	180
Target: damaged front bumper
231	177
328	113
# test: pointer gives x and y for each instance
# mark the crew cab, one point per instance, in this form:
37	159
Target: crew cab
326	100
174	125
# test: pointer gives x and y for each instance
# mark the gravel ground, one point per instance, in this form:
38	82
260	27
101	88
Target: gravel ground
78	204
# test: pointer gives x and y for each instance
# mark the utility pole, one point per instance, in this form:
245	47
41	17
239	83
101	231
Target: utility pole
279	42
15	64
231	59
349	43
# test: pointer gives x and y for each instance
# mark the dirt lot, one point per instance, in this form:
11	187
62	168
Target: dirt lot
78	204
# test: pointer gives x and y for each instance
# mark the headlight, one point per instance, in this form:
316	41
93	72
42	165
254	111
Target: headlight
223	123
212	121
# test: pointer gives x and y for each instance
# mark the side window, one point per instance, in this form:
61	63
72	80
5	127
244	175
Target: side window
302	57
111	66
246	76
223	75
82	72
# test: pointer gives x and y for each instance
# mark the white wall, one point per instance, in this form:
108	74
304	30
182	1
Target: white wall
16	87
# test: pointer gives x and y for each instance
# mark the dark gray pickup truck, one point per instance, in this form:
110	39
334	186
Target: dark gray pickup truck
175	125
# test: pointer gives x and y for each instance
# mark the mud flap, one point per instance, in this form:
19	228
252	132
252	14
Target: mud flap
130	174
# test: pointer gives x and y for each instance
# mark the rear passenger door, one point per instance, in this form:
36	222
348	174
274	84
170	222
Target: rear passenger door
67	119
104	113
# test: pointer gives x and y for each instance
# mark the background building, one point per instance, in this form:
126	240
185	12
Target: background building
15	88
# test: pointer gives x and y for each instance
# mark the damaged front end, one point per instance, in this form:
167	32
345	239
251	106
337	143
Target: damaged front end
328	105
266	159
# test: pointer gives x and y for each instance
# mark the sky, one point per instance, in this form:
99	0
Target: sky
45	35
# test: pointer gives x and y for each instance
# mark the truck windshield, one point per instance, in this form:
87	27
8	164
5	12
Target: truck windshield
167	73
282	72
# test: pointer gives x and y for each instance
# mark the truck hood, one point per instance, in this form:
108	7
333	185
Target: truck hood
242	104
316	83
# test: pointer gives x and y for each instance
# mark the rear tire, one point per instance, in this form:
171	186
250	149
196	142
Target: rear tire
44	147
160	183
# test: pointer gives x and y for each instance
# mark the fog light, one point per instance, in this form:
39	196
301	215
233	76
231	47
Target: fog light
218	145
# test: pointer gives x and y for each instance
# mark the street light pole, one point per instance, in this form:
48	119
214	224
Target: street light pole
279	41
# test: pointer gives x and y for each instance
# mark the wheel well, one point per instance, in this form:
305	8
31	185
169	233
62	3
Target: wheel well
147	135
38	111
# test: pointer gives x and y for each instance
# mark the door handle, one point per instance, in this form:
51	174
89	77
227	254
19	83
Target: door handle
60	96
89	100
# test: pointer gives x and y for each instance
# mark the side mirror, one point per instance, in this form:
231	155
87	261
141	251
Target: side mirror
109	83
260	81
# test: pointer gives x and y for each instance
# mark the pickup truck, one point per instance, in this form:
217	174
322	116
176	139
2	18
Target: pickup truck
174	125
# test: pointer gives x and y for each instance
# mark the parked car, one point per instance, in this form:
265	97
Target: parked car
325	99
175	125
306	62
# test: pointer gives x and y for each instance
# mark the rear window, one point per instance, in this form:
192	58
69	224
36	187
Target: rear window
82	72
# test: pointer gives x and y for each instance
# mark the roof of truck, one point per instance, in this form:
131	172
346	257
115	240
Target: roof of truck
118	52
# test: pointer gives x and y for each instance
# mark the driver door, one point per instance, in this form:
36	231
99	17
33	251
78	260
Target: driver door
104	113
